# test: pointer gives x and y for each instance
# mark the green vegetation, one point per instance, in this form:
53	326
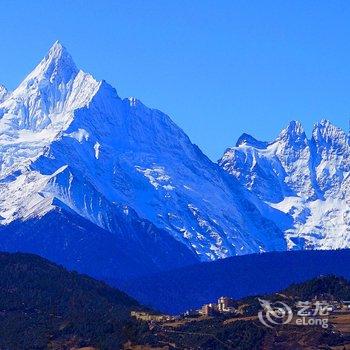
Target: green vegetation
240	335
334	287
42	306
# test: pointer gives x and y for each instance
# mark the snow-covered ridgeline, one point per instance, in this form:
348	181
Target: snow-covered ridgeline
306	178
69	140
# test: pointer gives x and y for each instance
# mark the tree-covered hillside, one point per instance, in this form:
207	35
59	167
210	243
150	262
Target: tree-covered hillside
186	288
42	305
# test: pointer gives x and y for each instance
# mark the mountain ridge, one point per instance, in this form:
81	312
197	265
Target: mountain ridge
69	143
69	140
52	308
306	178
190	287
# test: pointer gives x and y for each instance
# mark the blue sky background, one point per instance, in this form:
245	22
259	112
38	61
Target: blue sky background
218	68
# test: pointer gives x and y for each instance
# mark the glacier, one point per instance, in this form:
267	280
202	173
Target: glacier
112	188
76	154
308	179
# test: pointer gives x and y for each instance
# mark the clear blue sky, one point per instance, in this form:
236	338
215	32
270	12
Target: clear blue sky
218	68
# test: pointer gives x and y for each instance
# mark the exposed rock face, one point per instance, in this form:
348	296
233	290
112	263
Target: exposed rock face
308	179
70	144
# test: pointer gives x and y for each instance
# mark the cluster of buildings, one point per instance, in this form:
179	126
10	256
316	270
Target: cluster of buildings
224	305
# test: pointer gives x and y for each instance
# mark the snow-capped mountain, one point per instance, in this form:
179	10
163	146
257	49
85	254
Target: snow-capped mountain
308	179
3	93
114	174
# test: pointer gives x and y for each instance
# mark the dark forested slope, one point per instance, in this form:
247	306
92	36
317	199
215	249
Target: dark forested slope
237	277
43	305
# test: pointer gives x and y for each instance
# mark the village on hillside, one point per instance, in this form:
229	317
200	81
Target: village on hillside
224	305
227	306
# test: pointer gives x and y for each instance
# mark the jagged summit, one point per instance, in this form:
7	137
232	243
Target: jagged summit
246	139
326	125
325	132
3	88
70	147
294	132
3	92
57	66
48	95
293	129
306	178
69	143
57	48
